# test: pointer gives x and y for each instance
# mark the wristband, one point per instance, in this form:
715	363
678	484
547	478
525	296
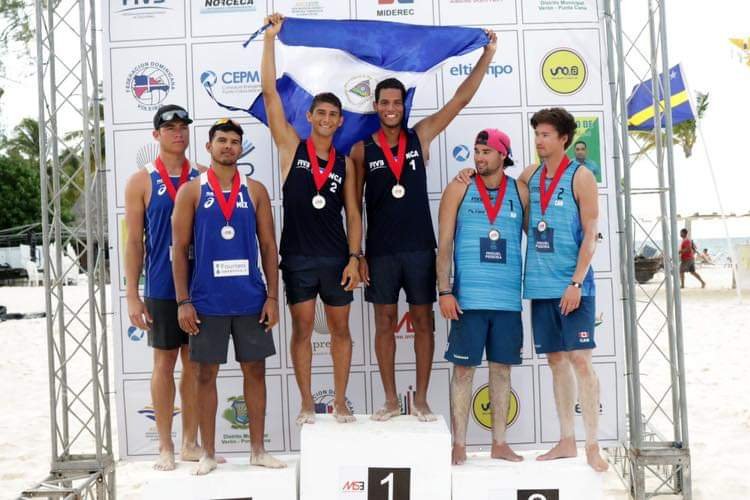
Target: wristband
272	298
183	302
443	293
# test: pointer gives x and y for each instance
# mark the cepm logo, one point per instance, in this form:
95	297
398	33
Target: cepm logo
135	334
461	153
481	408
236	413
208	78
150	83
564	72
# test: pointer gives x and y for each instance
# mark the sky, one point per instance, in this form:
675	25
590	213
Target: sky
698	34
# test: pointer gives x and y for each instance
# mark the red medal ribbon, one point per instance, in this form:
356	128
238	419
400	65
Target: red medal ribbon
168	180
395	164
544	194
319	177
492	210
226	205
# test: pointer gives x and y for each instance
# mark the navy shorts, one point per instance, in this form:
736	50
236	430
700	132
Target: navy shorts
412	271
554	332
165	332
251	341
499	333
307	284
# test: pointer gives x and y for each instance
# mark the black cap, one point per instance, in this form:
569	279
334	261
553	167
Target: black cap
224	125
171	112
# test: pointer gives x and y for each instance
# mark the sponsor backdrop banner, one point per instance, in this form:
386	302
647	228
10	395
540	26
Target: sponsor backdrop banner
551	53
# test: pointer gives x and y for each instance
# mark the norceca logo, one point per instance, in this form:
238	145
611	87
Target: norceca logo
481	407
564	71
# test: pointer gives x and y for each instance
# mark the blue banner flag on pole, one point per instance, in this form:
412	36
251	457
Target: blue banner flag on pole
641	102
348	58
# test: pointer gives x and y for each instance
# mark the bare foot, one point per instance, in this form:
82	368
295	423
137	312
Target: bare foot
594	458
191	453
390	409
204	466
306	415
165	461
342	414
263	459
566	448
504	452
458	456
423	413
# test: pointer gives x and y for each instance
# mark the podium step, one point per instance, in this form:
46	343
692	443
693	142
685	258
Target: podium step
566	479
366	460
236	480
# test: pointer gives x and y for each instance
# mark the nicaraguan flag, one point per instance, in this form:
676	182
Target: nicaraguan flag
641	102
349	58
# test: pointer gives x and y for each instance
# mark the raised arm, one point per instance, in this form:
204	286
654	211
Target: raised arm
182	235
585	191
428	128
268	253
283	133
448	212
135	211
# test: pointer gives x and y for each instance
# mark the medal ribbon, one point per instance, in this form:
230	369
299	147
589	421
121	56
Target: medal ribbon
227	206
171	190
395	164
319	177
544	194
492	210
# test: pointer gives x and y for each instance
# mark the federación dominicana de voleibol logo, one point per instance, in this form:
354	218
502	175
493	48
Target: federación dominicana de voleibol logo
481	409
564	71
149	83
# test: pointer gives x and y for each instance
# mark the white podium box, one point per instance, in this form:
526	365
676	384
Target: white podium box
400	459
236	480
482	477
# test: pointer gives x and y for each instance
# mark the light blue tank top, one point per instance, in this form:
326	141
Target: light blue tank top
158	236
552	255
226	277
488	274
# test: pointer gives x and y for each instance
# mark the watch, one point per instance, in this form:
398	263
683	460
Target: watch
574	284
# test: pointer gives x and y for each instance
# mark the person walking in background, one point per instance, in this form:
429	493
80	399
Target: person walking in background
687	259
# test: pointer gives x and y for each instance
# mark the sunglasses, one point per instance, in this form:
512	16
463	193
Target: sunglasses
222	121
174	114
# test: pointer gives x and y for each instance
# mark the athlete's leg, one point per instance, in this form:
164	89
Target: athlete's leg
563	383
386	316
698	277
588	394
303	317
188	397
682	278
162	395
207	403
341	353
254	392
461	385
499	398
424	348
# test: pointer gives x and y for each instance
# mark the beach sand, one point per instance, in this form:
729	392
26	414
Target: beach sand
717	345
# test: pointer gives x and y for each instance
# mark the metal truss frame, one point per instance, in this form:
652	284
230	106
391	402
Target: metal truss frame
82	465
656	459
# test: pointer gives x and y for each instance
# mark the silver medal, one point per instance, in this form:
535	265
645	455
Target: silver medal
542	226
398	191
494	234
227	232
318	201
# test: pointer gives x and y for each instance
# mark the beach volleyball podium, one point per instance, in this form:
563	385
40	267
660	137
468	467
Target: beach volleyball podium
400	459
234	480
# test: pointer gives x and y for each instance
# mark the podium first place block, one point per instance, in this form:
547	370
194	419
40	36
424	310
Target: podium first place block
400	459
236	480
485	478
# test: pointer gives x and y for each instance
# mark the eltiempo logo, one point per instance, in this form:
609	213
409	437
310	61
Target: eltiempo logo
564	71
150	83
481	407
494	70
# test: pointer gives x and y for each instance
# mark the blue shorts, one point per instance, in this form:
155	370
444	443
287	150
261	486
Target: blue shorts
500	333
554	332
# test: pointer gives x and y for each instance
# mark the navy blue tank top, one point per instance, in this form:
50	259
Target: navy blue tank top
308	231
157	226
226	277
397	225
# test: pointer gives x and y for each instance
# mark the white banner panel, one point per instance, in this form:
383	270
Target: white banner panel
550	53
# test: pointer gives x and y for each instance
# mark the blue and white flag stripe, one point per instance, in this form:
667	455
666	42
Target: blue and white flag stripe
348	58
